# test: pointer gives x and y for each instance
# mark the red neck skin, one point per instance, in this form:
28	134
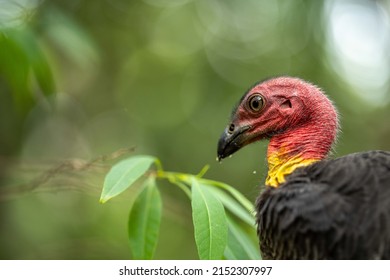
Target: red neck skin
304	143
312	141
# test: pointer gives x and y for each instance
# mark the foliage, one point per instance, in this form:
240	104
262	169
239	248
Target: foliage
213	203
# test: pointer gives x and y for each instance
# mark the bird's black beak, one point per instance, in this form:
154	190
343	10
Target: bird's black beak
232	139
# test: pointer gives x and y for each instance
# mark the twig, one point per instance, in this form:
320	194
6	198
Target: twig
64	167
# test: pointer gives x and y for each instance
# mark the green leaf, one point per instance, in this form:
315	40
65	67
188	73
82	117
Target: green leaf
123	174
144	222
240	245
234	206
69	36
209	221
37	60
23	67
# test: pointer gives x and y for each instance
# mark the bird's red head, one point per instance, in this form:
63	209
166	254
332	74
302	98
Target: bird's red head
298	118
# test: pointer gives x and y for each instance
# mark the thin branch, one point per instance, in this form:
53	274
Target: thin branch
63	168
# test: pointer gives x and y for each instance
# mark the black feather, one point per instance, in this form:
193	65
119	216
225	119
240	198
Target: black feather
332	209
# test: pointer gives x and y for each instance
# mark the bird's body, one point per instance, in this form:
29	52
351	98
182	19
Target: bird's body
312	207
331	209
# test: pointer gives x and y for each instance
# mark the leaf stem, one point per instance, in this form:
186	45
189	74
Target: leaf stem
179	179
158	165
184	188
203	171
236	194
183	180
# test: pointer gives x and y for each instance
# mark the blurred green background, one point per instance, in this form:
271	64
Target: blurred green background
80	79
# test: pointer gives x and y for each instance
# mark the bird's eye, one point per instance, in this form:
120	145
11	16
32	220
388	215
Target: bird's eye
256	103
231	128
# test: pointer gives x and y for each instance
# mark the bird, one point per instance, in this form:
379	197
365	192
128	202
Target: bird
312	206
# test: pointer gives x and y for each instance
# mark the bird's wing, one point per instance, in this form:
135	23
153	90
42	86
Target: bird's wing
295	223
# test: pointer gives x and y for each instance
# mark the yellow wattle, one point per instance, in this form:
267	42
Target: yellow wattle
279	167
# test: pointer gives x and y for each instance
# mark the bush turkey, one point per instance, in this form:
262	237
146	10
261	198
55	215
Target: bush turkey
312	206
